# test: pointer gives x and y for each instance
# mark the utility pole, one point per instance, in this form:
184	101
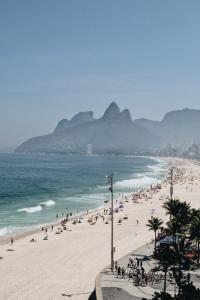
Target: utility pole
109	179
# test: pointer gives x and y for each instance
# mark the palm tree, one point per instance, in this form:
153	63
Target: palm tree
174	227
184	213
178	210
154	224
172	207
194	214
180	250
195	235
166	259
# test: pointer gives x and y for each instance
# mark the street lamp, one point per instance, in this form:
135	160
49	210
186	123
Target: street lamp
171	173
109	180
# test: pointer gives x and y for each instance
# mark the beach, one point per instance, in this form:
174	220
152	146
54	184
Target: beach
67	263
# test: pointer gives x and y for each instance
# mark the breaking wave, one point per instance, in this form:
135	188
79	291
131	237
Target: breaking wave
48	203
6	230
136	183
30	210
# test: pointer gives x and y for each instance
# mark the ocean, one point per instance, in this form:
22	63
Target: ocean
34	188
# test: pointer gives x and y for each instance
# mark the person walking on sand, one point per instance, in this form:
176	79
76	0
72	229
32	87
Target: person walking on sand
188	277
137	262
118	272
146	278
137	222
123	272
12	240
116	266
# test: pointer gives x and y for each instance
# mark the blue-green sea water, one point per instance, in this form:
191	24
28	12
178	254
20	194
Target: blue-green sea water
34	188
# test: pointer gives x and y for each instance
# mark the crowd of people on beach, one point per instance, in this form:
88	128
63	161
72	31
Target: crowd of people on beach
181	176
146	193
105	215
61	226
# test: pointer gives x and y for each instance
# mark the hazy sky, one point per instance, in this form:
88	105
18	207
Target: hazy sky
64	56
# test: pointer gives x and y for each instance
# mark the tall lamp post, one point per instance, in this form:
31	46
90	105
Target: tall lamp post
171	173
109	180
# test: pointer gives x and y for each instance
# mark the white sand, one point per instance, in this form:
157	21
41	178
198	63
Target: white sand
68	263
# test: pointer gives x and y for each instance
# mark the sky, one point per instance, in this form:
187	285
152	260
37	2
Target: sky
61	57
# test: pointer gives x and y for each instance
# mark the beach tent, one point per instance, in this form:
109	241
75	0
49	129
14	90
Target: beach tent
167	240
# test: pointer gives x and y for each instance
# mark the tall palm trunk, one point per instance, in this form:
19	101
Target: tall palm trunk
155	243
179	291
165	281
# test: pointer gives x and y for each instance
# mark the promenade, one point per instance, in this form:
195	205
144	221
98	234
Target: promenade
114	287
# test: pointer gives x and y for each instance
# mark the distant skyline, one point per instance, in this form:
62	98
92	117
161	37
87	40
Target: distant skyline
61	57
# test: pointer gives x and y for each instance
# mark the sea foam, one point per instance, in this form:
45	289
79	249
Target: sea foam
6	230
48	203
157	169
136	183
31	210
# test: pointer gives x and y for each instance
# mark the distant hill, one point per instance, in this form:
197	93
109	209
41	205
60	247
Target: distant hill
114	132
179	127
78	119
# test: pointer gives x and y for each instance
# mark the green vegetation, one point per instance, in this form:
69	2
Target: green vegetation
181	253
154	224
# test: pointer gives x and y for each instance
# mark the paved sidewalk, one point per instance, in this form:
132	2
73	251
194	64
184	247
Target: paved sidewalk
124	288
114	288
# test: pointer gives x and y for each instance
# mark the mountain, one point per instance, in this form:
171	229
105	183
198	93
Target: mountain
179	127
114	132
78	119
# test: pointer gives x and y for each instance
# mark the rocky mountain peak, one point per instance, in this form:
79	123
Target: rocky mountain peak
62	125
77	119
125	115
111	111
82	117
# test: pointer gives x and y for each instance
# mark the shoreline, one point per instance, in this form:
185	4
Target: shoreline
32	230
69	262
56	222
